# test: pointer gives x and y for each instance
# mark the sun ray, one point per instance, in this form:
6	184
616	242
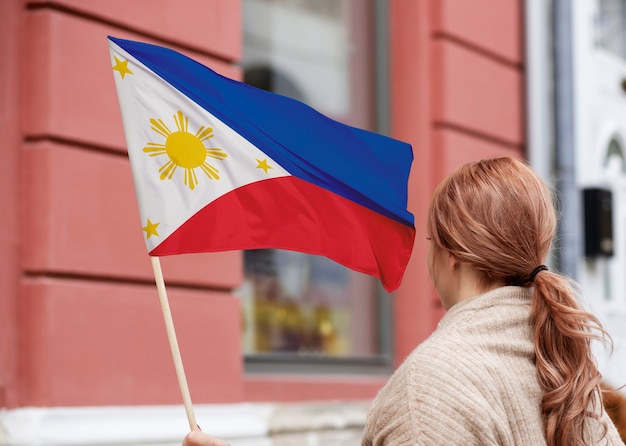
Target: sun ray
191	179
210	171
160	127
154	149
204	133
182	121
167	170
216	152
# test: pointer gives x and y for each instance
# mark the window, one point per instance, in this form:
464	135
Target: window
299	307
615	171
611	26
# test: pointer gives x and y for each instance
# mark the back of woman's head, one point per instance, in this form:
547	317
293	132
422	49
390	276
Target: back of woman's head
498	216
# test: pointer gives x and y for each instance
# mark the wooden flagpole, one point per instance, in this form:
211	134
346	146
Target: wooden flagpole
171	336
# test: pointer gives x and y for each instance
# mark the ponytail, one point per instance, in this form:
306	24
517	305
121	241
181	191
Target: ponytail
566	369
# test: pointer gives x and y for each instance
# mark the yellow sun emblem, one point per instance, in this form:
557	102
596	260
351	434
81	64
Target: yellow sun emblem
184	150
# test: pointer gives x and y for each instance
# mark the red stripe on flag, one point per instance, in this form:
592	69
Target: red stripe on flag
290	213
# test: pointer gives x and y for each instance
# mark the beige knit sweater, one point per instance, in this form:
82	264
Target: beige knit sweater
472	382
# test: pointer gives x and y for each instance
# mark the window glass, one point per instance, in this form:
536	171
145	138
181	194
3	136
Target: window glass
611	26
307	305
321	52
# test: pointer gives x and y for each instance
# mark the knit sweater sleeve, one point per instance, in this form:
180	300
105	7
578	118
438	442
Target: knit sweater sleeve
390	417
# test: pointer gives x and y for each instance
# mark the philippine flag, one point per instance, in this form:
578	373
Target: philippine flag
219	165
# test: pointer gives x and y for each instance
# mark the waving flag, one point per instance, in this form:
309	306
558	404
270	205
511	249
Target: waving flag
220	165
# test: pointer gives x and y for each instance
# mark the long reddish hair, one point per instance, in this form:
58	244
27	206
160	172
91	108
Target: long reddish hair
498	216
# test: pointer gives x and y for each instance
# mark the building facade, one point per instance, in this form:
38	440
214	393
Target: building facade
576	113
84	357
599	65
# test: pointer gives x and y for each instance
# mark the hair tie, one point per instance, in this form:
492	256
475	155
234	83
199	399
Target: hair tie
536	271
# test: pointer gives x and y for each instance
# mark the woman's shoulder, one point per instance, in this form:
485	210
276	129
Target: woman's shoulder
476	359
444	344
441	364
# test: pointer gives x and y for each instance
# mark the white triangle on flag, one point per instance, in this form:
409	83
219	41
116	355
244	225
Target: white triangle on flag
144	96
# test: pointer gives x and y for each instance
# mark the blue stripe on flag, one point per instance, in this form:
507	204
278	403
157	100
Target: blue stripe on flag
365	167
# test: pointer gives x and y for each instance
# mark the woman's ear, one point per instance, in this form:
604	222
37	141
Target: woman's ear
453	263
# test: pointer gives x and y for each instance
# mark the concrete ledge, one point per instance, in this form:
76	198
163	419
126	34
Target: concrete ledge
246	424
290	418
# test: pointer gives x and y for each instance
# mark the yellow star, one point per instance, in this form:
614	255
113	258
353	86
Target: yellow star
151	229
122	67
263	165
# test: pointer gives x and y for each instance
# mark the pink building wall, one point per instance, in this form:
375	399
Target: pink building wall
457	95
80	321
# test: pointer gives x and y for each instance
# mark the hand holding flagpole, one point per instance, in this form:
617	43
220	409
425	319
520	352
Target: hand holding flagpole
171	336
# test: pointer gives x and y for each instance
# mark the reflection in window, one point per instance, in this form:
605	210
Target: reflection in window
611	26
320	52
323	50
305	304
